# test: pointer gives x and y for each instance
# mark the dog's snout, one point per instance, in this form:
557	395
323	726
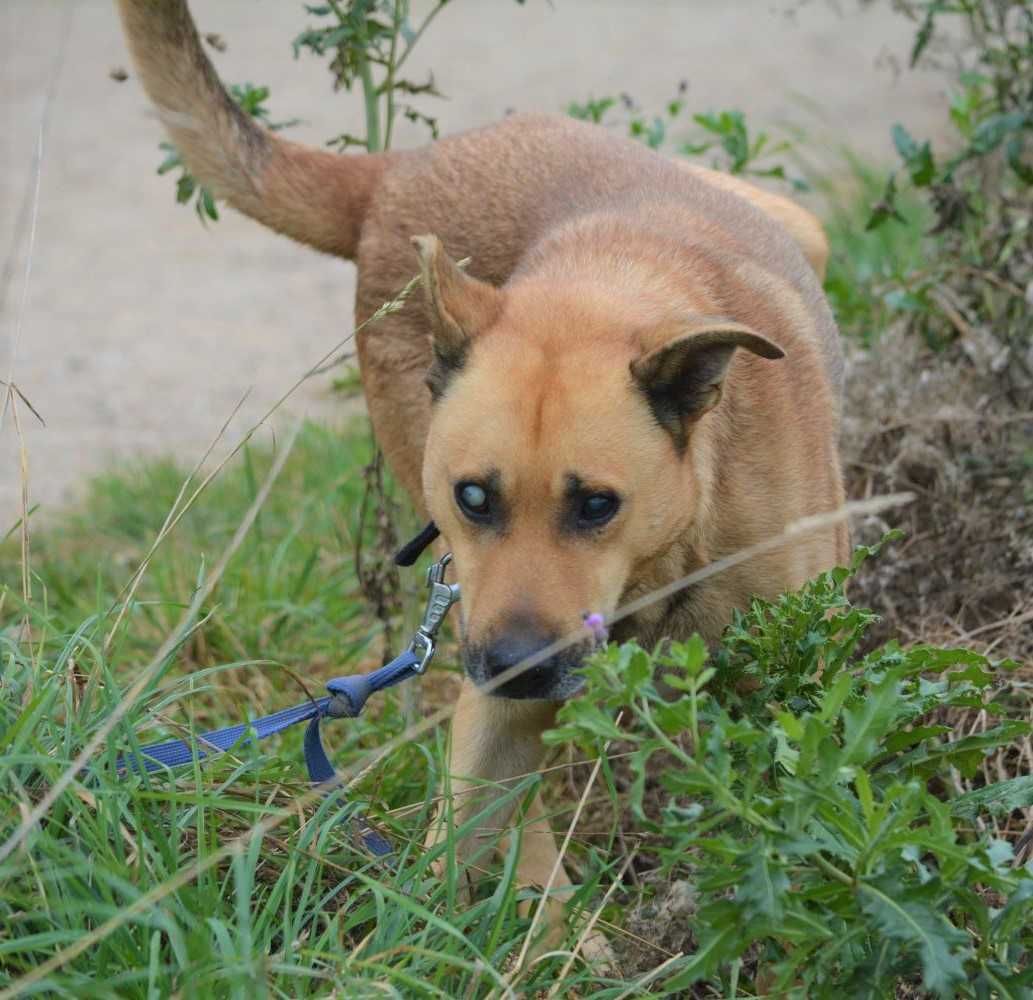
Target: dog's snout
516	662
513	648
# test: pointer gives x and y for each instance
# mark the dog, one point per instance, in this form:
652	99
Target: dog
637	374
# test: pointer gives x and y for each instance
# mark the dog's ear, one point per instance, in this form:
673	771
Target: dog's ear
682	378
459	307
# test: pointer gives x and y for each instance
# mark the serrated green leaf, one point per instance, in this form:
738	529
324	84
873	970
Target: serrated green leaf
714	948
866	724
835	697
975	674
965	754
911	917
909	737
762	890
674	717
637	669
1017	912
785	755
790	724
864	795
996	799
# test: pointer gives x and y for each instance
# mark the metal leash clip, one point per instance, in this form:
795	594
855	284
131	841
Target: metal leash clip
440	600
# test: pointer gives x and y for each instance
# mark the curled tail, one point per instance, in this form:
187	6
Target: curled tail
313	196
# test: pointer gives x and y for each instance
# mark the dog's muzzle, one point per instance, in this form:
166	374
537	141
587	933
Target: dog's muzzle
553	679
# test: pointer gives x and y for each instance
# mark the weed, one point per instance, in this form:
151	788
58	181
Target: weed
799	789
974	287
724	134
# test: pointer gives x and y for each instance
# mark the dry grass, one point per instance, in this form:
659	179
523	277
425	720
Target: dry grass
954	434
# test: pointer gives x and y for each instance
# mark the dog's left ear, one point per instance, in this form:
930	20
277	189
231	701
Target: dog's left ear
682	379
458	306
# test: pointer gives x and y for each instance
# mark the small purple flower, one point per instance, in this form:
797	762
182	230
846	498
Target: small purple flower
595	624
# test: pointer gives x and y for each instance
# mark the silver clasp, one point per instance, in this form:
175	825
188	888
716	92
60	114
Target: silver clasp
440	600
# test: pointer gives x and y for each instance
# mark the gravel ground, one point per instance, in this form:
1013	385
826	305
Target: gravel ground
141	331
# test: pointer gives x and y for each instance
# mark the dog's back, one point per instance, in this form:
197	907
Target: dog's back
527	176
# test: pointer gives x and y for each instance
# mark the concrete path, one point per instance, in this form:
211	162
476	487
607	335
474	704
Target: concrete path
141	330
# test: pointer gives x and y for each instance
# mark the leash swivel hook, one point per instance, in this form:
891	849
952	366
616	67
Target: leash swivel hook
439	601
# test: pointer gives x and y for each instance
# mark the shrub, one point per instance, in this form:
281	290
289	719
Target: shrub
803	792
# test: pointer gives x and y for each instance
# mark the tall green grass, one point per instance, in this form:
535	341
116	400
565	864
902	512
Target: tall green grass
298	910
236	879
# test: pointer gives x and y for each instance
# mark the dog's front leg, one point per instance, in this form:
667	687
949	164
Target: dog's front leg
495	743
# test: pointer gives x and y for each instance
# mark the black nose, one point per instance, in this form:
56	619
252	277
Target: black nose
515	647
510	646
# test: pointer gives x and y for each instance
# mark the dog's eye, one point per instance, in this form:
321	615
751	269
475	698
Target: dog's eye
597	509
473	501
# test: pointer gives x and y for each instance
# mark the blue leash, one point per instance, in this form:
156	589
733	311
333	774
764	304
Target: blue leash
347	698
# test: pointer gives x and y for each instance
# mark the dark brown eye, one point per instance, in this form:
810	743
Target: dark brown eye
473	501
597	508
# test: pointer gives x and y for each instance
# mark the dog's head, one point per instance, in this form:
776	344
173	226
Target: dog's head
561	463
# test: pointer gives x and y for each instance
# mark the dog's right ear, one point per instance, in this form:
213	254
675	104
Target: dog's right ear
458	306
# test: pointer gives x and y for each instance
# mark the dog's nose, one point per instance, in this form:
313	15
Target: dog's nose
514	647
513	644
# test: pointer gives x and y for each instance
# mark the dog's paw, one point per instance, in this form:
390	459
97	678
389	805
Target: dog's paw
592	949
598	955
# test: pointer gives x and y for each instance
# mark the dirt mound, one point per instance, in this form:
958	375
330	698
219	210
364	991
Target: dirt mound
954	427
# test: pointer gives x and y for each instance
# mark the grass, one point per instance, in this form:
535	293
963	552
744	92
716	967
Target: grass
236	879
300	910
288	596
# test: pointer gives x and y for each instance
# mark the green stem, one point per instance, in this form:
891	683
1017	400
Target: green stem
832	871
369	95
369	88
389	79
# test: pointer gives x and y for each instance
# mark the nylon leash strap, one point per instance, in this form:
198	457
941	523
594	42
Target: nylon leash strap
346	699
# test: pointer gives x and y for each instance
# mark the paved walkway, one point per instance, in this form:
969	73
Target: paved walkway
142	331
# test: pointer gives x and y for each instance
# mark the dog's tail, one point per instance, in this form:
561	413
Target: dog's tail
311	195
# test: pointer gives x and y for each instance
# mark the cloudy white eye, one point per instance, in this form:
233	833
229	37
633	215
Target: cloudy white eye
473	501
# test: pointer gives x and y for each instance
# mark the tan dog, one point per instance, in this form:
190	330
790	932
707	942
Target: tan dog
638	374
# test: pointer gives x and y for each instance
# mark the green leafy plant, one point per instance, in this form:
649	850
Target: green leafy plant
651	129
869	268
251	100
802	789
740	153
932	269
724	134
363	38
978	189
367	43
